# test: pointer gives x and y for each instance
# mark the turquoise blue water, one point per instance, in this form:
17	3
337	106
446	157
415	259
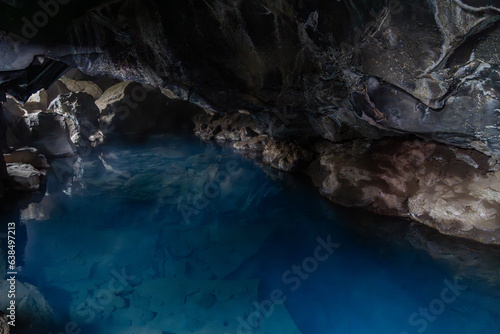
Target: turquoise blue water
174	235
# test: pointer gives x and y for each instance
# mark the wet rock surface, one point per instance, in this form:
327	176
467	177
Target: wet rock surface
453	190
24	177
81	117
286	156
27	155
48	132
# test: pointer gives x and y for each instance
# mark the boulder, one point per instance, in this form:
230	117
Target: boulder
56	89
455	191
14	113
24	177
48	132
68	126
257	144
82	116
236	127
37	102
102	82
27	155
76	86
13	110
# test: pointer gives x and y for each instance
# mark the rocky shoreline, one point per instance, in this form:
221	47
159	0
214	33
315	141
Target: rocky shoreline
453	190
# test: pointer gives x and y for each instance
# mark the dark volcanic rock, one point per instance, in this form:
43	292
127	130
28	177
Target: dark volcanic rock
27	155
46	131
428	67
24	177
67	127
387	107
286	156
235	127
82	119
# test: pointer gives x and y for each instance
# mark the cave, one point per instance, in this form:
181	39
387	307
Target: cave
250	166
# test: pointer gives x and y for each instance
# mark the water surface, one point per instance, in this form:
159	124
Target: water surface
173	235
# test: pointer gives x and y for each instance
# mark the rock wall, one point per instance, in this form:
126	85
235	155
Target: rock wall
344	70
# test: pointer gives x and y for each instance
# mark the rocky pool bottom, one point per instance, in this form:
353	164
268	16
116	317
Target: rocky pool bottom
174	235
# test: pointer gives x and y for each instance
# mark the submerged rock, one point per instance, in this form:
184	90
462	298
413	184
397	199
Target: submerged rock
202	306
